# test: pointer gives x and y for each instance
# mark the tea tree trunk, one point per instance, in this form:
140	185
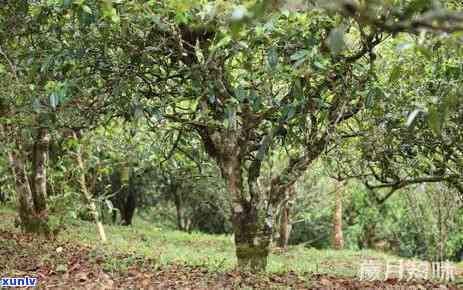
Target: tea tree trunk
39	191
33	219
338	241
86	194
285	226
253	236
285	218
252	222
31	189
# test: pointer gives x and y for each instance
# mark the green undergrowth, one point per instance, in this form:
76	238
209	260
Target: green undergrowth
163	246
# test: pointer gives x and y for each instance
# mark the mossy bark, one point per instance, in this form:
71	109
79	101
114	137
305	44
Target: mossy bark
33	219
39	192
252	258
253	236
252	216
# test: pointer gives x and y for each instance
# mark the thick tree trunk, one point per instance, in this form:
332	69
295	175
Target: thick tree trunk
253	236
86	194
32	221
252	218
32	206
39	171
338	241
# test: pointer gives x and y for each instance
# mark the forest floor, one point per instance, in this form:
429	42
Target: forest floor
148	257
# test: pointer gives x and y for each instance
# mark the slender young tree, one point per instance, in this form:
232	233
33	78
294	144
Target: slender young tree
84	189
338	240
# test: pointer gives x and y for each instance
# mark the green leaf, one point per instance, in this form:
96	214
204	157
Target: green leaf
67	3
284	178
72	143
223	42
425	52
256	101
290	111
235	28
36	105
373	94
395	73
301	54
238	17
336	40
417	6
297	90
272	57
259	9
240	93
54	100
299	63
87	9
435	121
115	17
182	5
452	71
109	11
452	100
319	64
73	214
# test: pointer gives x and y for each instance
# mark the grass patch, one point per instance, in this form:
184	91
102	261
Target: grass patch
145	254
214	252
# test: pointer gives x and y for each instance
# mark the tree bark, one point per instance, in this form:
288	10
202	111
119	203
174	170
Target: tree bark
253	236
32	221
252	222
39	171
285	226
179	209
126	197
338	241
86	194
33	216
368	237
285	218
130	204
